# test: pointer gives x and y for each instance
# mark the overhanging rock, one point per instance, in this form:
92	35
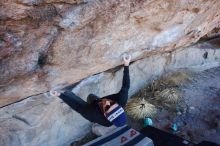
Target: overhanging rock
54	43
44	120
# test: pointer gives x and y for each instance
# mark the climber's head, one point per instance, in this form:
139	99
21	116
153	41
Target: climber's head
113	112
106	105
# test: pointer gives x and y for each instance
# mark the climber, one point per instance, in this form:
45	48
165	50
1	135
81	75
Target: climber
106	111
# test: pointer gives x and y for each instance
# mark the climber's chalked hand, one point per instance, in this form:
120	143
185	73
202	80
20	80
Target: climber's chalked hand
54	93
126	59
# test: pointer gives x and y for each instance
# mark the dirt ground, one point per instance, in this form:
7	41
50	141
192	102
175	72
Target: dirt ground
196	113
201	121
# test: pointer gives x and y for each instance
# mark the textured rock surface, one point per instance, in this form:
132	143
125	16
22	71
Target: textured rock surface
48	44
53	43
43	120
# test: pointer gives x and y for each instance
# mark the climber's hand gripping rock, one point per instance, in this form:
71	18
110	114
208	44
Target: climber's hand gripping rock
54	93
126	59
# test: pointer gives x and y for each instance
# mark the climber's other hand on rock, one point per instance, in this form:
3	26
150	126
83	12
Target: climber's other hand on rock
54	93
127	59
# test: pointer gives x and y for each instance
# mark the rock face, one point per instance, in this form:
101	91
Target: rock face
43	120
51	44
54	43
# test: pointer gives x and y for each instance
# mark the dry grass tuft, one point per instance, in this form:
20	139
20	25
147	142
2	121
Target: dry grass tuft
139	108
162	93
177	79
168	95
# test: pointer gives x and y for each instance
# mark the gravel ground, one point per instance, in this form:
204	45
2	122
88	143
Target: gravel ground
197	115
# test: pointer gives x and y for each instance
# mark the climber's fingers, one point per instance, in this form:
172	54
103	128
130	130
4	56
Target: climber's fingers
54	93
126	59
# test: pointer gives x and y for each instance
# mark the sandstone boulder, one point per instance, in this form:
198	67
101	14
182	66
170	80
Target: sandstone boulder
54	43
44	120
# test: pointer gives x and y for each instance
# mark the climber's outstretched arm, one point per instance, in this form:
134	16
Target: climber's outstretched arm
126	79
122	96
72	100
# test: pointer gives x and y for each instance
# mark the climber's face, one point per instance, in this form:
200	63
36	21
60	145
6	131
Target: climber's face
107	105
